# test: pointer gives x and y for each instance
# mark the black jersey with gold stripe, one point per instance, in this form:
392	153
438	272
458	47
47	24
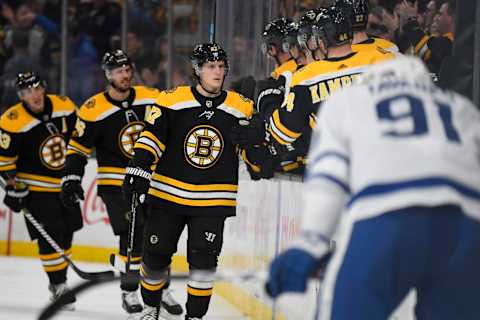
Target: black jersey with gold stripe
187	137
312	85
111	128
33	145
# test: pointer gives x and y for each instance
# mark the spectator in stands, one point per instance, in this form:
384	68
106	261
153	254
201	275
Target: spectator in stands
19	61
145	63
100	19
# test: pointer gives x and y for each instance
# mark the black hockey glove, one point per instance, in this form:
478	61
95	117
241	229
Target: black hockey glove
72	191
248	132
16	197
137	180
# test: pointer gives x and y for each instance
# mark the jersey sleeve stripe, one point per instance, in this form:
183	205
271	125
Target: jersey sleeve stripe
152	137
150	143
282	128
78	146
4	159
8	167
330	178
140	145
423	183
111	170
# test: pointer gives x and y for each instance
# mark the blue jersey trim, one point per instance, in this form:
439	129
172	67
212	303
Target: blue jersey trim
423	183
330	178
326	154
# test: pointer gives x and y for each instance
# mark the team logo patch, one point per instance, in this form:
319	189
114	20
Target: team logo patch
12	115
53	152
127	137
203	146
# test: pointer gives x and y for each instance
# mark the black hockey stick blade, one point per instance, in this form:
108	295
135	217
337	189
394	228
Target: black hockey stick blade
98	275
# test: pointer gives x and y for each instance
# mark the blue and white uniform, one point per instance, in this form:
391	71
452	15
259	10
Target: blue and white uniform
394	177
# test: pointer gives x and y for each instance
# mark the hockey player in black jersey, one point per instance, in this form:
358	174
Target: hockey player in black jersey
313	84
293	38
34	134
110	122
195	180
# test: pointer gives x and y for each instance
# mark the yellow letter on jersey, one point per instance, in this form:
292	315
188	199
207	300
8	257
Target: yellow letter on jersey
152	114
289	103
79	127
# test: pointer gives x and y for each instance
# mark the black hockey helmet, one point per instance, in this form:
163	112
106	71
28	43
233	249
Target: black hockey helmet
358	11
115	59
290	36
305	24
28	80
273	34
333	26
207	52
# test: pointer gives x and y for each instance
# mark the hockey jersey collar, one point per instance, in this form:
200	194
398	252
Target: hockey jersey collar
122	104
207	101
335	59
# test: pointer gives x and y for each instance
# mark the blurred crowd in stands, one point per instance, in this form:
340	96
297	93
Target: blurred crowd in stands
30	37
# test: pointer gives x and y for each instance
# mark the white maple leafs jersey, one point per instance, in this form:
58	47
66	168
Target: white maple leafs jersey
404	142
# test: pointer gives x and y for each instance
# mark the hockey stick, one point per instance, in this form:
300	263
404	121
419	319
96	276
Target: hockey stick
131	232
56	305
213	23
82	274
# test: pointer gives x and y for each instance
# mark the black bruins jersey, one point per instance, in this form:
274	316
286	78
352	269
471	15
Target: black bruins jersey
272	90
187	137
111	128
311	86
33	146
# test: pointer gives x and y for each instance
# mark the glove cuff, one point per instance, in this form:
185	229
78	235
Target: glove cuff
71	177
14	193
139	172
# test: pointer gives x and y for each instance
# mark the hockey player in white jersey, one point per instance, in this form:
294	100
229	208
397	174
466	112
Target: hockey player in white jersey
396	178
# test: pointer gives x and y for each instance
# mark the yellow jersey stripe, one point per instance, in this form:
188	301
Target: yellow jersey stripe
194	187
199	292
111	169
190	202
279	140
80	147
43	189
139	145
151	136
36	177
282	128
109	182
8	159
8	167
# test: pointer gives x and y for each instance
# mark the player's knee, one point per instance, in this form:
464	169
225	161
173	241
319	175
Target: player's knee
202	258
156	261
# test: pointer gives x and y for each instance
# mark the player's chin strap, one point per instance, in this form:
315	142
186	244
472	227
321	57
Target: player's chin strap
211	92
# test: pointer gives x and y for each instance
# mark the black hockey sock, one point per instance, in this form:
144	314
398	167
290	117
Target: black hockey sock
197	305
